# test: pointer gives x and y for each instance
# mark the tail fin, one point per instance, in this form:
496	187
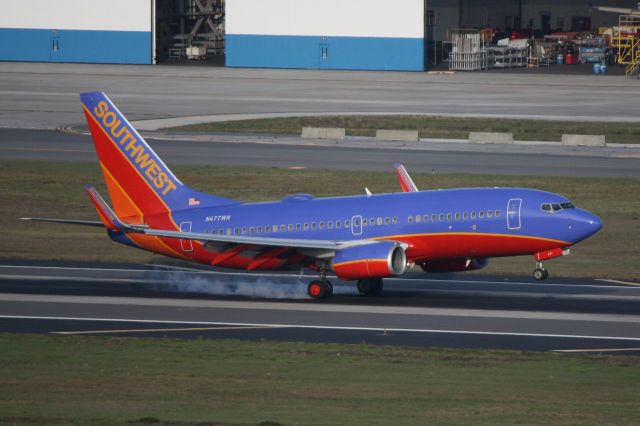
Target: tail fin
406	183
139	183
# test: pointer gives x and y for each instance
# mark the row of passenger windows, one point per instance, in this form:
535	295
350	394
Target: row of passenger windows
338	224
453	216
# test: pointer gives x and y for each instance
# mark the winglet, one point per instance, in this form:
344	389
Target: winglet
108	217
405	180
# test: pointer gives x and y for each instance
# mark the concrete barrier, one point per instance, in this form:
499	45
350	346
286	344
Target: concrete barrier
398	135
583	140
323	133
490	137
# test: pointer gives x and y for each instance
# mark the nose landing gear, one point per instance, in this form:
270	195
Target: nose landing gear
540	273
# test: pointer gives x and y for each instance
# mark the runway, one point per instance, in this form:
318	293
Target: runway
238	150
469	311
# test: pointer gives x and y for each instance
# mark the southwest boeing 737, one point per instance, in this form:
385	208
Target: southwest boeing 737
363	238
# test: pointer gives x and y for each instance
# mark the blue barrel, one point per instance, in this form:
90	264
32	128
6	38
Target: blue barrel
597	68
559	59
603	68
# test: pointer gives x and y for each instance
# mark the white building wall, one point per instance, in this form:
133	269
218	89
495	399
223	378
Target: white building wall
346	18
119	15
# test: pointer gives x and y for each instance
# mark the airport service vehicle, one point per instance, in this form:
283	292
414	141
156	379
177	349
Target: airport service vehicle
364	238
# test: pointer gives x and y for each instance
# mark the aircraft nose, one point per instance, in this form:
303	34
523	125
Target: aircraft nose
585	224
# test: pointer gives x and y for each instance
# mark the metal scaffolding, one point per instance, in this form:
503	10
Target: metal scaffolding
191	28
468	50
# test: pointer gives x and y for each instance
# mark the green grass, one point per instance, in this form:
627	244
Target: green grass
55	190
107	380
429	127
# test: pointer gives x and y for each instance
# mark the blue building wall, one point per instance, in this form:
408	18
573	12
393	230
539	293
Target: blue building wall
115	47
315	52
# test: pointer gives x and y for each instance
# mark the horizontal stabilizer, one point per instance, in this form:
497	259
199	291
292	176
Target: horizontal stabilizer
65	221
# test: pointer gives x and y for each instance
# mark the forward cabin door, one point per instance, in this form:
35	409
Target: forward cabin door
513	213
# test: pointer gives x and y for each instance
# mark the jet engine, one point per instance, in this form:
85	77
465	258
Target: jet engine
455	265
376	260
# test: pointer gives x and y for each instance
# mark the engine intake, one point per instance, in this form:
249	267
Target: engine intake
376	260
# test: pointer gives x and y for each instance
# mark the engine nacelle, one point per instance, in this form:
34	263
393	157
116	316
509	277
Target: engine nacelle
376	260
455	265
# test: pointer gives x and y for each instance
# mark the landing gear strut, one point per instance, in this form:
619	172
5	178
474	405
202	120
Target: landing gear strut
370	287
540	273
322	288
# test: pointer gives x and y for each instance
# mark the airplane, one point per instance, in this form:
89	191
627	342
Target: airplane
362	238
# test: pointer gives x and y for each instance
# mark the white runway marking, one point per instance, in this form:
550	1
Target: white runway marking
322	327
618	282
597	350
161	330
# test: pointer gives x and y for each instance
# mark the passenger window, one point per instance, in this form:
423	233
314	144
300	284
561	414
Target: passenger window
347	223
267	229
489	214
252	230
338	224
465	215
434	217
386	220
275	228
313	226
481	214
244	231
410	219
372	221
441	217
448	216
418	218
473	215
321	225
228	231
379	221
306	226
282	228
259	229
425	218
497	213
236	231
457	216
330	224
298	226
394	220
290	227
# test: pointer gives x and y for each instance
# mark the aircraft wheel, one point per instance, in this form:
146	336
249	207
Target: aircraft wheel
328	288
540	274
370	287
316	289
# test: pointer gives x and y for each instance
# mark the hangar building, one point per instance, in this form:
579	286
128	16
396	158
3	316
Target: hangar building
404	35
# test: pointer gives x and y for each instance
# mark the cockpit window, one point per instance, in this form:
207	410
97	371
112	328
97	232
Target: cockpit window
556	207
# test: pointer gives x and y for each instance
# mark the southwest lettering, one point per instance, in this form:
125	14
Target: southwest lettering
136	152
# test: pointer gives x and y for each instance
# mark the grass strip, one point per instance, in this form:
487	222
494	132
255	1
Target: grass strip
55	190
108	380
429	127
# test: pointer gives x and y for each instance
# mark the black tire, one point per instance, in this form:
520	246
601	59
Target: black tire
316	289
370	287
328	289
540	274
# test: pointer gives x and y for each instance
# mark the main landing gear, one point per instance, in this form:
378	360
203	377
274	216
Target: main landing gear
540	273
370	286
322	288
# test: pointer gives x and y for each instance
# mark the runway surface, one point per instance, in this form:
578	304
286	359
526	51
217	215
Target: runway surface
50	145
468	311
45	96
